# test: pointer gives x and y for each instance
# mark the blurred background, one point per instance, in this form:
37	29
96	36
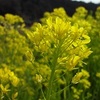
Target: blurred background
33	10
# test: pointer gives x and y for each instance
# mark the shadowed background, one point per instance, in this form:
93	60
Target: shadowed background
33	10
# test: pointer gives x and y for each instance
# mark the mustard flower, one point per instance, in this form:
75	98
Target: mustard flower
5	89
85	83
12	19
98	74
76	79
14	96
38	78
85	73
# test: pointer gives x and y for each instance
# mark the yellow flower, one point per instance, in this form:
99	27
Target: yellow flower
85	73
86	39
29	56
74	89
38	78
14	96
61	28
73	61
4	89
77	78
12	19
15	81
85	83
98	74
76	96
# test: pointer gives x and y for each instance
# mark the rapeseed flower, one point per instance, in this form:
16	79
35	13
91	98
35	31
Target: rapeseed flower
76	79
98	74
5	89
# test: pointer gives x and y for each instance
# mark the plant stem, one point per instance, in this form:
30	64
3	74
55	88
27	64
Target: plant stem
51	78
43	94
53	67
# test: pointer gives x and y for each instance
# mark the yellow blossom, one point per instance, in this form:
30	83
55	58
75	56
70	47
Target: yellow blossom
85	83
85	73
77	78
98	74
15	81
5	89
38	78
14	96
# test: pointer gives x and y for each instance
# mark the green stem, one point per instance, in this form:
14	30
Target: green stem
43	94
51	78
53	67
65	93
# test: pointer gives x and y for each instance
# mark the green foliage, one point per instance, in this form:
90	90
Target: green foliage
93	66
93	61
13	46
48	60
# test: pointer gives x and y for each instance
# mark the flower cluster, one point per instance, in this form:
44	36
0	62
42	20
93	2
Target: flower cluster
46	61
8	79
